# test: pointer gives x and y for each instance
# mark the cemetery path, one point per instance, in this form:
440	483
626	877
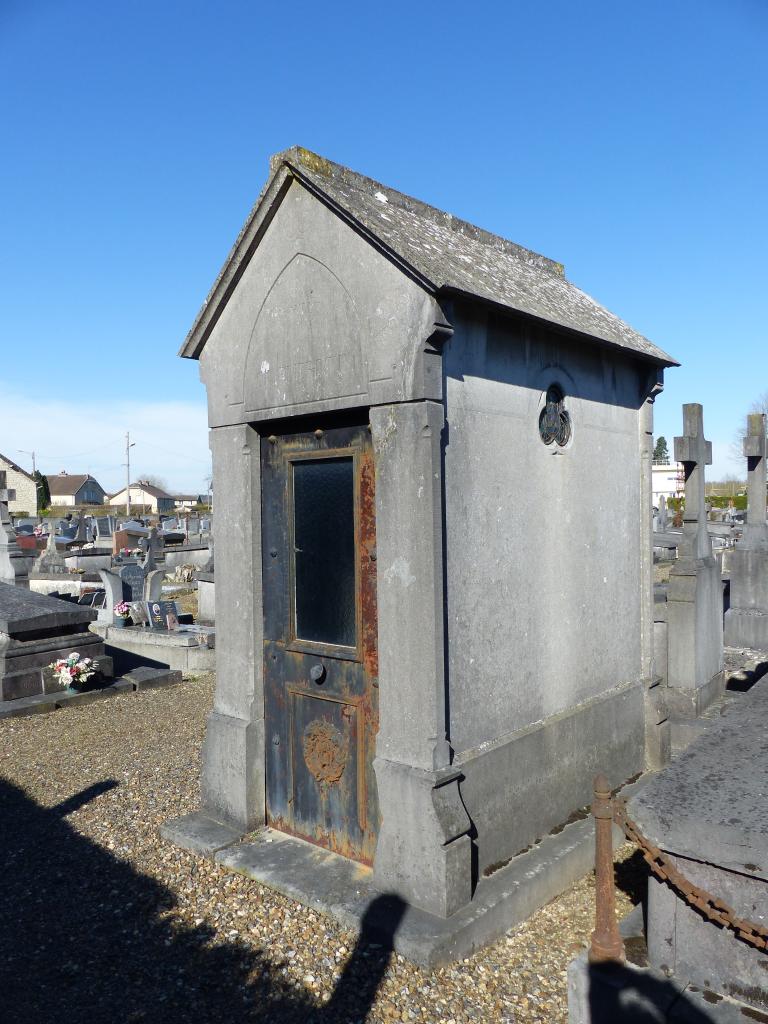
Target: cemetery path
105	922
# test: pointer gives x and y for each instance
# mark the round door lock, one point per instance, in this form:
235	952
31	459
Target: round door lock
317	674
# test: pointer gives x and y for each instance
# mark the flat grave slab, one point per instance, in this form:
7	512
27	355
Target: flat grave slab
22	611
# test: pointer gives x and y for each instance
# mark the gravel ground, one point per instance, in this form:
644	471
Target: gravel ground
104	921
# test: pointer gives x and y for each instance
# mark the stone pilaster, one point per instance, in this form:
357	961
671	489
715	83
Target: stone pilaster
657	729
233	781
424	849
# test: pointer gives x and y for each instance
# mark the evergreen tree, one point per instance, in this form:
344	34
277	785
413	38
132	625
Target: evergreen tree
660	451
43	491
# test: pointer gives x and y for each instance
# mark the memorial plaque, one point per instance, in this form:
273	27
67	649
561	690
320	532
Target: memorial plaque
159	612
132	577
103	526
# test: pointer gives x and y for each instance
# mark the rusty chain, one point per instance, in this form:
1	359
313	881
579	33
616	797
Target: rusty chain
709	906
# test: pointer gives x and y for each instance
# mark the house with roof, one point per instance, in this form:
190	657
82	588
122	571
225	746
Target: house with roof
23	483
145	497
75	489
188	501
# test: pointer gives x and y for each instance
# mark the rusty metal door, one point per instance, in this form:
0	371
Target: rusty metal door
320	637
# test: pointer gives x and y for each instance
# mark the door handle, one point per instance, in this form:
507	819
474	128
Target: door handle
317	674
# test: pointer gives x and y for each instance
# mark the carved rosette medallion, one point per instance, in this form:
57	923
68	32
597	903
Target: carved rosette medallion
554	421
325	752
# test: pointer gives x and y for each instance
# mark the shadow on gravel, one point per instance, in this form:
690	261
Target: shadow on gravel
83	939
631	877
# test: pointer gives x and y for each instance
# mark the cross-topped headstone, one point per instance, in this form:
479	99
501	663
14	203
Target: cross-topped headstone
6	494
13	561
695	453
755	451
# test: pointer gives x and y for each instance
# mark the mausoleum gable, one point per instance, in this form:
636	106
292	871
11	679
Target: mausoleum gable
441	252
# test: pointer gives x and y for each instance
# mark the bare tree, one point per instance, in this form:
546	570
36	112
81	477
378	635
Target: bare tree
152	478
759	405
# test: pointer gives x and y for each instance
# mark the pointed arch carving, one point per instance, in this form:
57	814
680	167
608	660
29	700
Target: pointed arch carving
306	342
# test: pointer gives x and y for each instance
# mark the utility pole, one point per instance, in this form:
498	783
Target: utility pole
34	467
128	445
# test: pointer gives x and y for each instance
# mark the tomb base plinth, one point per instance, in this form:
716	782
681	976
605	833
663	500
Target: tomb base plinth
746	621
694	637
348	892
232	784
423	853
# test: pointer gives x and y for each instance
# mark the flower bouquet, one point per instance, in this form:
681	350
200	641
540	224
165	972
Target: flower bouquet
74	671
122	614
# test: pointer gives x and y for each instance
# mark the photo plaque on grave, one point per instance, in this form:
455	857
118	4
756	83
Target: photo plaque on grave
159	612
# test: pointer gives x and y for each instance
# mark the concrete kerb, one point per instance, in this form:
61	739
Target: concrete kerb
344	890
139	679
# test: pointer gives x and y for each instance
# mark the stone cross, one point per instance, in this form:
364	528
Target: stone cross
13	561
695	453
6	494
755	451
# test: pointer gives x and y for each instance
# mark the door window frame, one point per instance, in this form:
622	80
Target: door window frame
296	643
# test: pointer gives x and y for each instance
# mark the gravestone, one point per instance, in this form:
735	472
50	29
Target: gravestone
153	548
81	532
14	563
115	593
132	578
707	813
50	561
695	597
662	518
148	563
455	659
746	621
139	614
67	530
129	535
36	630
208	565
104	526
154	585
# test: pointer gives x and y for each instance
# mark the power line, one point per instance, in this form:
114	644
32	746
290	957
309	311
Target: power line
76	455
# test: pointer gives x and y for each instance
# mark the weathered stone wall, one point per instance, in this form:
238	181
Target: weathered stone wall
542	575
26	490
320	321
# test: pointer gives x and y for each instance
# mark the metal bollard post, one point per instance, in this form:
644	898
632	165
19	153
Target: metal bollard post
606	943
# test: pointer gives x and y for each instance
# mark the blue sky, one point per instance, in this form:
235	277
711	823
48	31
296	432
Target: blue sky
627	140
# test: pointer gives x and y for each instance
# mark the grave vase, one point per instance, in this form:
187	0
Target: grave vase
121	622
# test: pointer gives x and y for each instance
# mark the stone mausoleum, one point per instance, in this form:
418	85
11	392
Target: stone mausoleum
432	469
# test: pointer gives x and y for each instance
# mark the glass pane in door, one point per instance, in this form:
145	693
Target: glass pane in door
324	540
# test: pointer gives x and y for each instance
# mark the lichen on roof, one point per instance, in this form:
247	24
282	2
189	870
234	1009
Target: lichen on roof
454	255
445	254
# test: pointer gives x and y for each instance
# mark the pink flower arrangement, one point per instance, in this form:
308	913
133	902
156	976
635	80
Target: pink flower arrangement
73	669
122	609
